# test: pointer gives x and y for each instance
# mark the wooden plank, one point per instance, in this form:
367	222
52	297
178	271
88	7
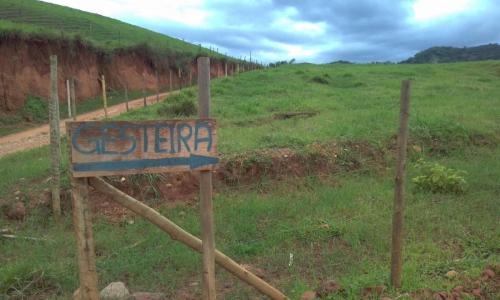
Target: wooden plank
206	205
178	234
55	139
398	213
115	148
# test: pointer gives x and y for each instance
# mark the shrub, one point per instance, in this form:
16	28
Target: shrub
35	110
179	105
437	178
320	80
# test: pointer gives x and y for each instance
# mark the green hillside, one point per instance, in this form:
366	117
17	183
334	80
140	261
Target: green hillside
452	54
303	198
32	17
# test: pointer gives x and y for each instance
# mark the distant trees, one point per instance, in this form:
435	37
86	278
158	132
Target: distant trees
282	62
452	54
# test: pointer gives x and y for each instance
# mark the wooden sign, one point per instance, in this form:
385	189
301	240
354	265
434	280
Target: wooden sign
121	147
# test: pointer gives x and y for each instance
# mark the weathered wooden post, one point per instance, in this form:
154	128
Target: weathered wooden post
82	222
73	98
170	79
104	98
398	213
180	78
55	139
144	89
157	87
206	205
225	69
126	97
68	97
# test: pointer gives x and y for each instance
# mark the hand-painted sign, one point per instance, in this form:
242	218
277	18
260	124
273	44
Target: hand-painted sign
115	148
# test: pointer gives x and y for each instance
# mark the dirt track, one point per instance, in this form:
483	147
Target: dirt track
39	136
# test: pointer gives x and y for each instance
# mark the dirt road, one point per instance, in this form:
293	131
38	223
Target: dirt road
39	136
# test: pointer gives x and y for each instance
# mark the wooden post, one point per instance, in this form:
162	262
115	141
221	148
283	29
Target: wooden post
206	205
178	234
126	97
398	213
144	89
55	139
68	97
170	79
73	98
157	87
180	78
225	69
237	68
190	77
104	98
82	221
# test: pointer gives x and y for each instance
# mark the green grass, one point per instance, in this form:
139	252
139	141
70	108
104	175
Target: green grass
336	226
450	103
31	17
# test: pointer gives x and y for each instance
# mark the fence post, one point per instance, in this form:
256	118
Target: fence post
225	69
68	97
73	98
157	87
170	79
398	210
104	98
126	97
55	139
180	78
206	205
144	89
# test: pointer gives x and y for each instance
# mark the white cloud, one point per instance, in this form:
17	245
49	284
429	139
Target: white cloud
425	10
187	12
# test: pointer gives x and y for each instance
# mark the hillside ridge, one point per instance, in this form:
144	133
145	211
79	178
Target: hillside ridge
455	54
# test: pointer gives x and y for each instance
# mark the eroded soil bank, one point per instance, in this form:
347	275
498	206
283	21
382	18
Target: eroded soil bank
25	69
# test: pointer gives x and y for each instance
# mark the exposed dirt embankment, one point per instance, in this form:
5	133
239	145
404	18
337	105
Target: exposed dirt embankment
25	69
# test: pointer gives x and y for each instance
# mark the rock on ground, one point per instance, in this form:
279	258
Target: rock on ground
115	291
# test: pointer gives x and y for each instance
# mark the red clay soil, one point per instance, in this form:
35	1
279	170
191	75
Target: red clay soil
39	136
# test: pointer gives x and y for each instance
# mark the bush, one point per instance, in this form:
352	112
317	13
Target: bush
181	105
320	80
35	110
437	178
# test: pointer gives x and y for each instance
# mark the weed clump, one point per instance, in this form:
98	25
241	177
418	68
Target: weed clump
436	178
320	79
35	110
181	105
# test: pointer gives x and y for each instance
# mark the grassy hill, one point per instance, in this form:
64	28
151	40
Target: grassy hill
32	17
300	226
452	54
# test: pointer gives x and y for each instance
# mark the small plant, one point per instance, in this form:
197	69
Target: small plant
437	178
35	110
320	79
180	105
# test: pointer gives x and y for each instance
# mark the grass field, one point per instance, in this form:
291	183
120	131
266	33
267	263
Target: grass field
336	226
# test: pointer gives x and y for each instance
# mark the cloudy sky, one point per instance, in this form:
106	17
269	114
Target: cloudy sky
314	30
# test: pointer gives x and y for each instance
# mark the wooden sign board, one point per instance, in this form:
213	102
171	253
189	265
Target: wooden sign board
122	147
